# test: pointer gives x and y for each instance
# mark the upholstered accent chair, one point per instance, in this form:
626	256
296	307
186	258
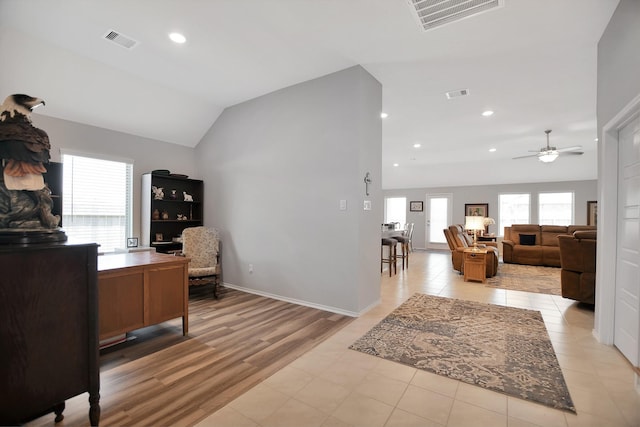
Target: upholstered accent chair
458	240
202	246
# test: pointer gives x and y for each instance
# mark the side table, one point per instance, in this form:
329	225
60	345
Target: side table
475	264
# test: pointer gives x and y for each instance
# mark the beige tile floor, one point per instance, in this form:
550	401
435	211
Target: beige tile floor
332	386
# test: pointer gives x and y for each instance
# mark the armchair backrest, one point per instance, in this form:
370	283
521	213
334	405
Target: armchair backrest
201	245
460	237
450	241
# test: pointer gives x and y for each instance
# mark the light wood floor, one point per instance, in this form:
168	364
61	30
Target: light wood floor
234	343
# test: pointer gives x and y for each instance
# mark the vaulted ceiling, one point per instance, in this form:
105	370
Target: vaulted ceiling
532	62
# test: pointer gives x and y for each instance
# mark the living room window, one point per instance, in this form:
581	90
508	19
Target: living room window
97	200
514	209
555	208
395	210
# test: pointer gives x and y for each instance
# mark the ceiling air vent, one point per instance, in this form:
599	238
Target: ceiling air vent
457	93
120	39
434	13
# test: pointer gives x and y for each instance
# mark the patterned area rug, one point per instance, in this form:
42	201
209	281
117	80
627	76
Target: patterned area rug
501	348
528	278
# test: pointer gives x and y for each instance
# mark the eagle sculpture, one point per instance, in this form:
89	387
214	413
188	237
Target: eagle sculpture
25	200
23	147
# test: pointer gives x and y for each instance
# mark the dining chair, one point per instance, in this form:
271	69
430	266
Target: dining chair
391	259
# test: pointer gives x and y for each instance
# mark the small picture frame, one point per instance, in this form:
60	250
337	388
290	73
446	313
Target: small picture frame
592	212
159	237
132	242
416	206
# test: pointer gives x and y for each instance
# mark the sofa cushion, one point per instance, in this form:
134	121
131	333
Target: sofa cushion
528	239
550	234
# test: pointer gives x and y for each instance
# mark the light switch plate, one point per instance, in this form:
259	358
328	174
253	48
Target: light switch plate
367	205
343	205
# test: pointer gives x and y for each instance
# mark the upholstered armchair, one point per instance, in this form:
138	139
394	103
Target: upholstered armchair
458	240
578	263
201	245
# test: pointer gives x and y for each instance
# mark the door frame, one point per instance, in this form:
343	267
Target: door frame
604	322
427	216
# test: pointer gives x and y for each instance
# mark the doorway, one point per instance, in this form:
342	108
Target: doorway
617	315
627	305
438	217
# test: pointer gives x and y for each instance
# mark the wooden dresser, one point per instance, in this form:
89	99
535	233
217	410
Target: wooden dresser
48	330
141	289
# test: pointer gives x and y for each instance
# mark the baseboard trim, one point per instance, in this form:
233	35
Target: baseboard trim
300	302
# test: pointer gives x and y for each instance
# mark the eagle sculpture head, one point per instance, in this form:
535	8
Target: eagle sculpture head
19	104
24	149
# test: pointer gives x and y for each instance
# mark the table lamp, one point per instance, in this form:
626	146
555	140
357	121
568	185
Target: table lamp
474	223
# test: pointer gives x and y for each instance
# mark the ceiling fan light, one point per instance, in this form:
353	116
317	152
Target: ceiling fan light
548	156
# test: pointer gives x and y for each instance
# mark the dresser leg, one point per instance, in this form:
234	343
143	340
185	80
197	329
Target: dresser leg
58	409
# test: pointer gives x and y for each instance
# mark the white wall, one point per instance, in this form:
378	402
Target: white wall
275	169
618	85
583	191
147	154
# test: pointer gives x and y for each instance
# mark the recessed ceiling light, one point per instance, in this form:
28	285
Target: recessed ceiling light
395	165
596	139
487	113
417	145
492	150
177	38
383	115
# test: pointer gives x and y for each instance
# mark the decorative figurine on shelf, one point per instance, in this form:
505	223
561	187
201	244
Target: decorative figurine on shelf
165	215
155	214
25	199
182	217
173	195
158	192
187	197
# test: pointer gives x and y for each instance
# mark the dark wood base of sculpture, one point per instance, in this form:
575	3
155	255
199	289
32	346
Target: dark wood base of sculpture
23	236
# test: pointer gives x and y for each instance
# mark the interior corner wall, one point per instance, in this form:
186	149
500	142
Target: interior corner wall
275	170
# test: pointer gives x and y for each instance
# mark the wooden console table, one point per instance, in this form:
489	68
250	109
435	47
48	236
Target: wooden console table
141	289
475	265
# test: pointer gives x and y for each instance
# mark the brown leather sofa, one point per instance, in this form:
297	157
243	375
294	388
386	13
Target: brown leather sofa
578	262
459	240
535	244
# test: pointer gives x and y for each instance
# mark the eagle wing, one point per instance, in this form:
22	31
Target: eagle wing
20	140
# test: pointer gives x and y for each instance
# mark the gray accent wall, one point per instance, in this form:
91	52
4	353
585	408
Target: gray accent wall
583	191
276	168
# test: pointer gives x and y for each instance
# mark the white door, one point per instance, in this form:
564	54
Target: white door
438	217
627	300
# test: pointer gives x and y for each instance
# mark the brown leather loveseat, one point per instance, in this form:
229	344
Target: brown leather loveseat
535	244
578	261
459	240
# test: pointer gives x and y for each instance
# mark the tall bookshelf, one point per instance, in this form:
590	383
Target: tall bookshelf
164	218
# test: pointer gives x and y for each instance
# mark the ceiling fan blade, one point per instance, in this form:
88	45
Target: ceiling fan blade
566	153
575	147
522	157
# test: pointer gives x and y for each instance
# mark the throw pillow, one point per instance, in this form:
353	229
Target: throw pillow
528	239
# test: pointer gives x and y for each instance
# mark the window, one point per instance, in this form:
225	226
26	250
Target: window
96	202
555	208
395	210
514	209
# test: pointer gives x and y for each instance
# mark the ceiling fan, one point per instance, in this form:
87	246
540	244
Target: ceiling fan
548	154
